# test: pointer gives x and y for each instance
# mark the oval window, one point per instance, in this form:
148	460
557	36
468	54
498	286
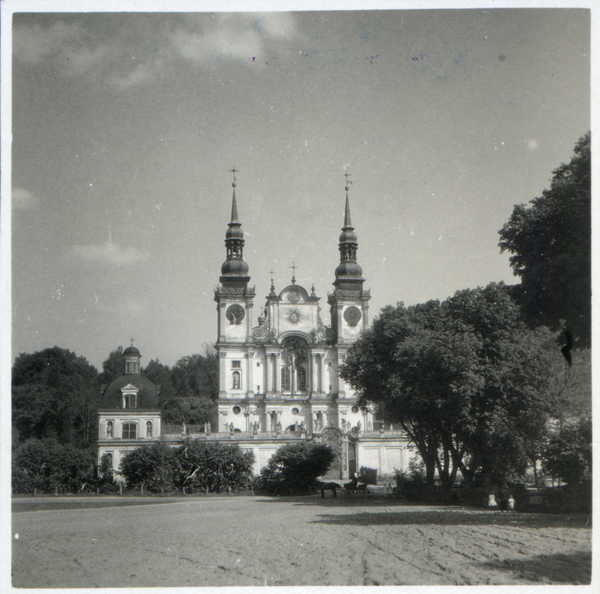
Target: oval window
237	410
295	411
355	409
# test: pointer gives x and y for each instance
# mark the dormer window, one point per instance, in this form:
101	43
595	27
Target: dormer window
129	400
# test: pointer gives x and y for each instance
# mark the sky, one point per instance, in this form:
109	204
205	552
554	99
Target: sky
125	127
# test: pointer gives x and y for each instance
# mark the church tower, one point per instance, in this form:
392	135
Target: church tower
349	302
234	306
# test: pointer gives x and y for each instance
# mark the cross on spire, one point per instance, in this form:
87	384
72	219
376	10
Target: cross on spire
234	171
131	341
347	175
272	272
293	267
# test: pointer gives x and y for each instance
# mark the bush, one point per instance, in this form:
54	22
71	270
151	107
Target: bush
294	468
202	466
48	466
149	467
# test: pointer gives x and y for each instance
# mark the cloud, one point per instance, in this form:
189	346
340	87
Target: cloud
66	44
23	199
110	253
231	36
133	50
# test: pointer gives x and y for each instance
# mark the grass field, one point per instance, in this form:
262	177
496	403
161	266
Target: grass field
287	541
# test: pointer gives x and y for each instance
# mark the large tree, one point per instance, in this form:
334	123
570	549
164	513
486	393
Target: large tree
550	242
55	394
470	384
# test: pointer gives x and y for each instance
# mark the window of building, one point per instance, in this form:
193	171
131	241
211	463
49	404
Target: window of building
129	400
237	410
109	429
301	378
285	379
129	430
355	409
236	380
295	411
236	364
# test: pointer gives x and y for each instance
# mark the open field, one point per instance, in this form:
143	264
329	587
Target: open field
287	541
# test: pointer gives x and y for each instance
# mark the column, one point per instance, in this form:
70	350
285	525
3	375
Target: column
268	373
222	374
278	373
314	377
249	374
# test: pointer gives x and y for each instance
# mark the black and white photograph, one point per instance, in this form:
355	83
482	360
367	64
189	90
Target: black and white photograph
296	295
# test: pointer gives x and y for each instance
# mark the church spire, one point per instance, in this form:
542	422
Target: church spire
234	271
348	275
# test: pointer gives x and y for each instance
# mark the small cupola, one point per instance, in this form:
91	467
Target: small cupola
131	360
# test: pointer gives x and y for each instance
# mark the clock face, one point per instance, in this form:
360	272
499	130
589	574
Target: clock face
352	315
235	314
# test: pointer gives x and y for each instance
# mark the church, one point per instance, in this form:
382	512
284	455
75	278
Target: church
279	377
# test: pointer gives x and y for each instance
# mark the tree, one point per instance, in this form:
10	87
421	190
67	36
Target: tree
160	375
148	467
55	394
46	465
469	383
294	468
112	366
569	454
213	467
550	242
197	375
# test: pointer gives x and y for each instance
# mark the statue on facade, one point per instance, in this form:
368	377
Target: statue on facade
302	427
278	427
183	428
207	428
344	425
231	428
359	426
148	428
226	427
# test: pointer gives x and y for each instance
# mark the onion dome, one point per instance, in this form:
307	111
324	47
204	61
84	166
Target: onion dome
348	274
234	271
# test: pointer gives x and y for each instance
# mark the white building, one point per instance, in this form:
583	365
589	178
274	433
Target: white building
279	375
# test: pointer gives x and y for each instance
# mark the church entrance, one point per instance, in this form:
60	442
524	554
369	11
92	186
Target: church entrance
333	438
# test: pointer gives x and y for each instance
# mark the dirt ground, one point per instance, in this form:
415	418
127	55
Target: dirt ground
255	541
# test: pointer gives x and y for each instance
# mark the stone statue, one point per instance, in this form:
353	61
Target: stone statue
109	429
183	429
302	427
231	428
207	428
344	425
226	426
148	428
359	425
278	428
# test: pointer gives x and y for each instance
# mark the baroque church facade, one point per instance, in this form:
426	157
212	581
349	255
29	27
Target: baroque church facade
279	377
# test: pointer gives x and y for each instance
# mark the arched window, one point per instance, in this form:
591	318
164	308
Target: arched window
236	380
109	429
285	379
301	378
129	430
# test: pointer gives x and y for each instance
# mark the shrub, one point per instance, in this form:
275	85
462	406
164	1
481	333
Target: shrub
294	468
48	466
149	467
213	467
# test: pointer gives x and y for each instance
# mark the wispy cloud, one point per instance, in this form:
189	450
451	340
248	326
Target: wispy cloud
231	36
133	51
110	253
23	199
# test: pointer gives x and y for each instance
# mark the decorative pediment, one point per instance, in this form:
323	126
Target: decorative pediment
294	294
130	388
